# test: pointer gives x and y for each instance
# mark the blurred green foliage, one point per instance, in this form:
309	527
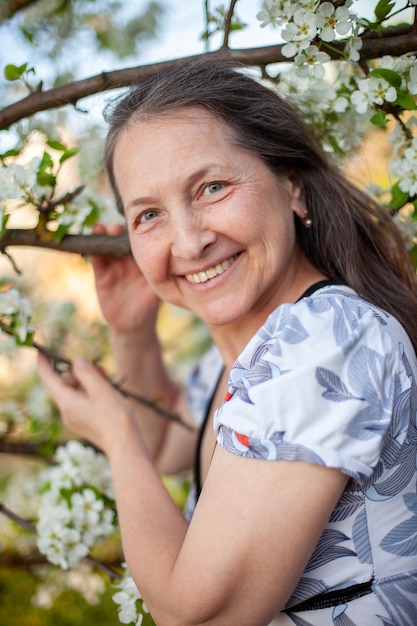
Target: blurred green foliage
17	588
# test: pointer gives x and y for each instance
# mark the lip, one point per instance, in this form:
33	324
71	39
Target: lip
211	272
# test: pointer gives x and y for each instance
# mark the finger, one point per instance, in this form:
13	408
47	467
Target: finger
62	393
92	378
99	229
116	229
51	377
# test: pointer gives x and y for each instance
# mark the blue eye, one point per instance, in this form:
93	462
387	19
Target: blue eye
213	188
147	216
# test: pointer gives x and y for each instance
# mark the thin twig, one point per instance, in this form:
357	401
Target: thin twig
400	41
62	365
102	244
111	573
24	449
228	23
27	525
207	20
24	523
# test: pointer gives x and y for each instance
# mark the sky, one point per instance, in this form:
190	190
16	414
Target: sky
179	36
181	30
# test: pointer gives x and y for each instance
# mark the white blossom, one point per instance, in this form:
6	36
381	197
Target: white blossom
15	314
131	606
73	515
274	12
372	90
406	225
353	45
311	61
412	81
299	32
331	21
405	167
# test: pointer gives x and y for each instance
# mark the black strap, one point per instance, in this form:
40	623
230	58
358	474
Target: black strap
315	286
197	458
333	598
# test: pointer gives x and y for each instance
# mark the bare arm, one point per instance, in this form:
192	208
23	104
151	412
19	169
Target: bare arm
130	307
243	549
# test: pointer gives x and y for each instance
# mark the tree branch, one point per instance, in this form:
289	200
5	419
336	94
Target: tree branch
400	41
27	525
25	449
24	523
105	245
9	8
228	23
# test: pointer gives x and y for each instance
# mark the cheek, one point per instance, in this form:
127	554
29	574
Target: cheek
148	256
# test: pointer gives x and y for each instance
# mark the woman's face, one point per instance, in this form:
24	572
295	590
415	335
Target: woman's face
210	227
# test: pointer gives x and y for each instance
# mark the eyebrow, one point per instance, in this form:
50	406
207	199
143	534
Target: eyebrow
191	180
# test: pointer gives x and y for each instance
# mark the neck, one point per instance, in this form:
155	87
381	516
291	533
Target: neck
231	339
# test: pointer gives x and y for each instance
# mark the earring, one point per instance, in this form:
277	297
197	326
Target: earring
306	220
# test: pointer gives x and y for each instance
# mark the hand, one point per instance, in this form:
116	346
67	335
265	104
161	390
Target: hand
127	301
88	403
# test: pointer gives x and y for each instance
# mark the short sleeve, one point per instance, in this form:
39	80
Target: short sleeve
317	383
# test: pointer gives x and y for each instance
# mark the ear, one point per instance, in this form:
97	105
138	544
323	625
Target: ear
295	188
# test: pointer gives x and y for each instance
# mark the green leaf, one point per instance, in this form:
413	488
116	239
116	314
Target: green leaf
46	162
4	220
56	145
94	214
14	72
26	342
406	102
45	179
9	153
379	119
60	232
393	78
398	198
27	34
68	154
383	8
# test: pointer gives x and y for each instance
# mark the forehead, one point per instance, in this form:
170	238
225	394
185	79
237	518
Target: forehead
181	125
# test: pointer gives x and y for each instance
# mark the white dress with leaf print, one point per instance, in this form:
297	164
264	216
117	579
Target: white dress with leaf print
323	381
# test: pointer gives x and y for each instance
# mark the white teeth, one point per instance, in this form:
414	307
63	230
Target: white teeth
203	277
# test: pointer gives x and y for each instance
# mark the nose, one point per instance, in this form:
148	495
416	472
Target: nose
191	236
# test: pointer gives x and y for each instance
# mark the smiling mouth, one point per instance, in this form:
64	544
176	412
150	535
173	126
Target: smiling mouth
211	272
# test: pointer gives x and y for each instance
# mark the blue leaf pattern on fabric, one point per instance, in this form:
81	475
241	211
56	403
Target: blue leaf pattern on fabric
307	588
336	391
299	621
327	549
340	618
272	448
347	506
385	621
404	610
373	389
360	537
374	418
402	539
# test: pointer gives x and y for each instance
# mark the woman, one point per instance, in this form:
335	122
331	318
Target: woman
308	512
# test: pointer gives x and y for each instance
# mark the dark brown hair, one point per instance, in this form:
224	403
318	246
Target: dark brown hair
352	239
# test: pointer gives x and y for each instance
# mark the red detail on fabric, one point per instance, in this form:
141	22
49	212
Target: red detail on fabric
244	440
228	395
